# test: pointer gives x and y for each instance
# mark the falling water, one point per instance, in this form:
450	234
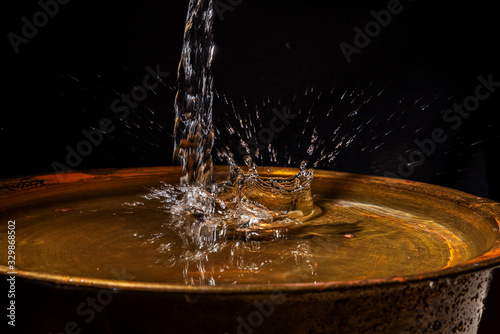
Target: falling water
193	131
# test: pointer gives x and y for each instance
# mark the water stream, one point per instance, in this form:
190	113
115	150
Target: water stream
193	131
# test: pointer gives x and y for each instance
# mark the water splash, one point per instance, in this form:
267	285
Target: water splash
239	213
246	206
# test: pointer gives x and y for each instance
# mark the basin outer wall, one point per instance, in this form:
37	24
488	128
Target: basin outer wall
446	305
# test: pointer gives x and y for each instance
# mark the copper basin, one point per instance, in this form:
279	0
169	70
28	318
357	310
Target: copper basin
439	301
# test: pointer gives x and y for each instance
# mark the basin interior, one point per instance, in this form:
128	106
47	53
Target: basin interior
98	225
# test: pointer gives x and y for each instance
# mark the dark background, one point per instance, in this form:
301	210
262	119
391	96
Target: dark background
65	79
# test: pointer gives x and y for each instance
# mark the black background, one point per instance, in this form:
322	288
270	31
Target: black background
65	79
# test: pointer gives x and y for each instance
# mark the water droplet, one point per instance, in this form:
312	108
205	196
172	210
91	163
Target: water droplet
248	160
303	165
